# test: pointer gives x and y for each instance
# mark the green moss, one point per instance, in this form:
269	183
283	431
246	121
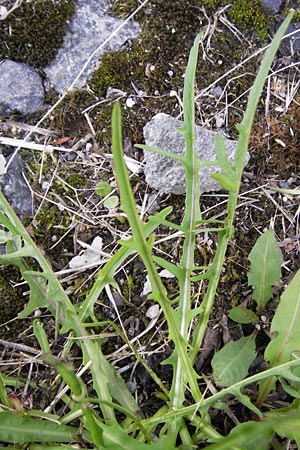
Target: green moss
76	180
296	17
128	287
50	221
114	71
68	118
168	31
241	12
12	301
249	15
34	31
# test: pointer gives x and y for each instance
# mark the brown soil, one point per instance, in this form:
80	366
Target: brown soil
274	161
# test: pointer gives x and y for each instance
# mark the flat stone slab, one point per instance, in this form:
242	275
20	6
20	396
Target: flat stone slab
21	88
88	28
166	174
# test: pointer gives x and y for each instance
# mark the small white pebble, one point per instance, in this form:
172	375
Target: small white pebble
130	102
45	185
153	312
220	120
3	12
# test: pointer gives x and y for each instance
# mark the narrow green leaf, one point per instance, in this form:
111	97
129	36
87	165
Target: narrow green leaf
37	286
238	393
4	399
18	429
228	183
41	337
290	390
75	383
228	177
283	191
266	259
177	271
222	156
42	447
160	151
232	362
106	274
243	315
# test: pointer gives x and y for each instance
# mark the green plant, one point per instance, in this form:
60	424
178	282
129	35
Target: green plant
109	416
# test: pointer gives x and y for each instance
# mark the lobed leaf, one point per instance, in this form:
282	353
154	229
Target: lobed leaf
288	421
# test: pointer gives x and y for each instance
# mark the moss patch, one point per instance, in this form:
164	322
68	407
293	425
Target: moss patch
12	301
153	65
34	31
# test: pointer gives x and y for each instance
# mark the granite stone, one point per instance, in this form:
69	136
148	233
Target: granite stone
166	174
21	88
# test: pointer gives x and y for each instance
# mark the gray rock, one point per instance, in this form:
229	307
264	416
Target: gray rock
88	28
166	174
21	88
15	188
271	6
291	45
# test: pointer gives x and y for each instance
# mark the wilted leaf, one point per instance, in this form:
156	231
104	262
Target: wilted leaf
111	202
265	258
91	255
